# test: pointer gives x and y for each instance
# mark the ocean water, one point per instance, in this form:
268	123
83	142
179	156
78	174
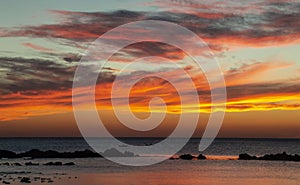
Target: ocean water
220	146
99	171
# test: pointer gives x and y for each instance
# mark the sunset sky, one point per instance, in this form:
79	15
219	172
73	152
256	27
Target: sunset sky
256	43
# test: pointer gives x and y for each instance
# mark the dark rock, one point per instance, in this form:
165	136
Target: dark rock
173	158
187	157
40	154
280	157
201	157
34	153
69	164
5	182
7	154
22	172
272	157
112	153
17	164
246	156
296	157
81	154
31	164
53	164
116	153
25	180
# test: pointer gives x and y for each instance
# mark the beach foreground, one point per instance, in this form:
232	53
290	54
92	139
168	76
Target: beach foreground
95	171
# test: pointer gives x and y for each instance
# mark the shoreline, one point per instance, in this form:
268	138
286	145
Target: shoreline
50	154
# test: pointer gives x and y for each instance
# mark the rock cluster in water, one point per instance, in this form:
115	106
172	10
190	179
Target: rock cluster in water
37	164
48	154
35	154
271	157
116	153
189	157
29	177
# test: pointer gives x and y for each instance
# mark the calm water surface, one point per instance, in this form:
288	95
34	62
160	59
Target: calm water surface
99	171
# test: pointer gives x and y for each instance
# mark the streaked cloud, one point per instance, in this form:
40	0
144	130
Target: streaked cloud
42	85
33	87
274	23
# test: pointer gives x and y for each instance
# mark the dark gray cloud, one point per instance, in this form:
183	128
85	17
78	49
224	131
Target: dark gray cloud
37	76
276	19
262	89
275	23
33	75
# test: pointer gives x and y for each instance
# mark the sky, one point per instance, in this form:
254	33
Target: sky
256	44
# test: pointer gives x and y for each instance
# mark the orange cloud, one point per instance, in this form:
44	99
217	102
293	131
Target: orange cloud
241	97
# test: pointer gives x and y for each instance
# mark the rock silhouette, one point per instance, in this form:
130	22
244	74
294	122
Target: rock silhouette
271	157
31	164
246	156
25	180
116	153
53	164
201	157
187	157
69	164
7	154
48	154
17	164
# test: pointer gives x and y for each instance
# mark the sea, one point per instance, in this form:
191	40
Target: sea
221	168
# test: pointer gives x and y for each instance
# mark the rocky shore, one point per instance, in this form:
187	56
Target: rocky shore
21	177
34	153
271	157
189	157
